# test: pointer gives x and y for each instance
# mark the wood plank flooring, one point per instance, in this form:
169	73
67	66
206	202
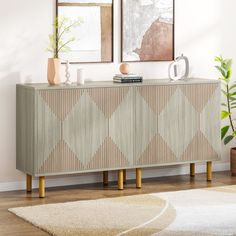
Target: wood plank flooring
12	225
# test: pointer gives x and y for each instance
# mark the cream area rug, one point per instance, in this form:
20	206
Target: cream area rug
200	212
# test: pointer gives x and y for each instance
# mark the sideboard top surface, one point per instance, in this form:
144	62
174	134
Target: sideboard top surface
101	84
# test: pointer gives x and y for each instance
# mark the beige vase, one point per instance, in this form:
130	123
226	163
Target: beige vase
233	161
54	65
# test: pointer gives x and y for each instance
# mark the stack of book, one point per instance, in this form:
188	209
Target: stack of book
129	78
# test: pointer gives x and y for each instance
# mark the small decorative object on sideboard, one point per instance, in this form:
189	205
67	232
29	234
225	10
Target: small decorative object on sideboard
124	68
126	76
80	76
228	132
68	82
54	65
58	42
176	71
130	78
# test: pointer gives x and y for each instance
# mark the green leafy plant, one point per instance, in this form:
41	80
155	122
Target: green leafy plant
59	40
224	67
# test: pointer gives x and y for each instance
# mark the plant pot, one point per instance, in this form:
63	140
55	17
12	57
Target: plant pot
233	161
54	65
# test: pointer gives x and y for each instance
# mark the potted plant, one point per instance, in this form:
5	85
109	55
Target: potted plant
228	132
59	41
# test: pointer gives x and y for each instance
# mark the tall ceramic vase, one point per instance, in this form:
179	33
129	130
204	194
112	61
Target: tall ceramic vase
54	71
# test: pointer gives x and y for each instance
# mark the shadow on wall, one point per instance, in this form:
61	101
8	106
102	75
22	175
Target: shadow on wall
23	41
8	83
19	56
7	126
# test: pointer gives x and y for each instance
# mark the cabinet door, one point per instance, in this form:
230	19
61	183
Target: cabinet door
173	126
204	143
81	130
58	113
115	147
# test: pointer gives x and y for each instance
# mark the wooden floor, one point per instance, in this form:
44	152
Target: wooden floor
12	225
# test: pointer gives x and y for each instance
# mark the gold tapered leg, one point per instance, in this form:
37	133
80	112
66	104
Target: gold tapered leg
192	169
209	171
105	178
138	178
124	176
41	187
28	183
120	180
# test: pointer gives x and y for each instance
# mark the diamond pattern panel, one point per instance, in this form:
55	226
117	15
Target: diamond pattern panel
123	118
104	128
211	112
85	129
61	159
199	149
143	134
108	156
178	123
157	151
199	94
48	130
156	96
61	101
108	99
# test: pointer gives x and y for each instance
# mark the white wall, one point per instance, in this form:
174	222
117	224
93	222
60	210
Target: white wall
204	28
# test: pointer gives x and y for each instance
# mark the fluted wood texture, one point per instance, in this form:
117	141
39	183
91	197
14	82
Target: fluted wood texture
77	129
177	123
63	130
25	129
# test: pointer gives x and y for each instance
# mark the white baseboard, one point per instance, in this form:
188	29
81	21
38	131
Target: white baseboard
97	177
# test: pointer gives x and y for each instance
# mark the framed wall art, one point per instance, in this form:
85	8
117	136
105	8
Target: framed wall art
147	30
94	37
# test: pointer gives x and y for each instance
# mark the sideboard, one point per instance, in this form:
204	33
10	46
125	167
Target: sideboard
102	126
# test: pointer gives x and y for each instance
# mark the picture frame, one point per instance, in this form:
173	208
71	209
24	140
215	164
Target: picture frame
147	30
106	54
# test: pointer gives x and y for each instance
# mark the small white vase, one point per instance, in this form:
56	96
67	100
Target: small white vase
80	76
